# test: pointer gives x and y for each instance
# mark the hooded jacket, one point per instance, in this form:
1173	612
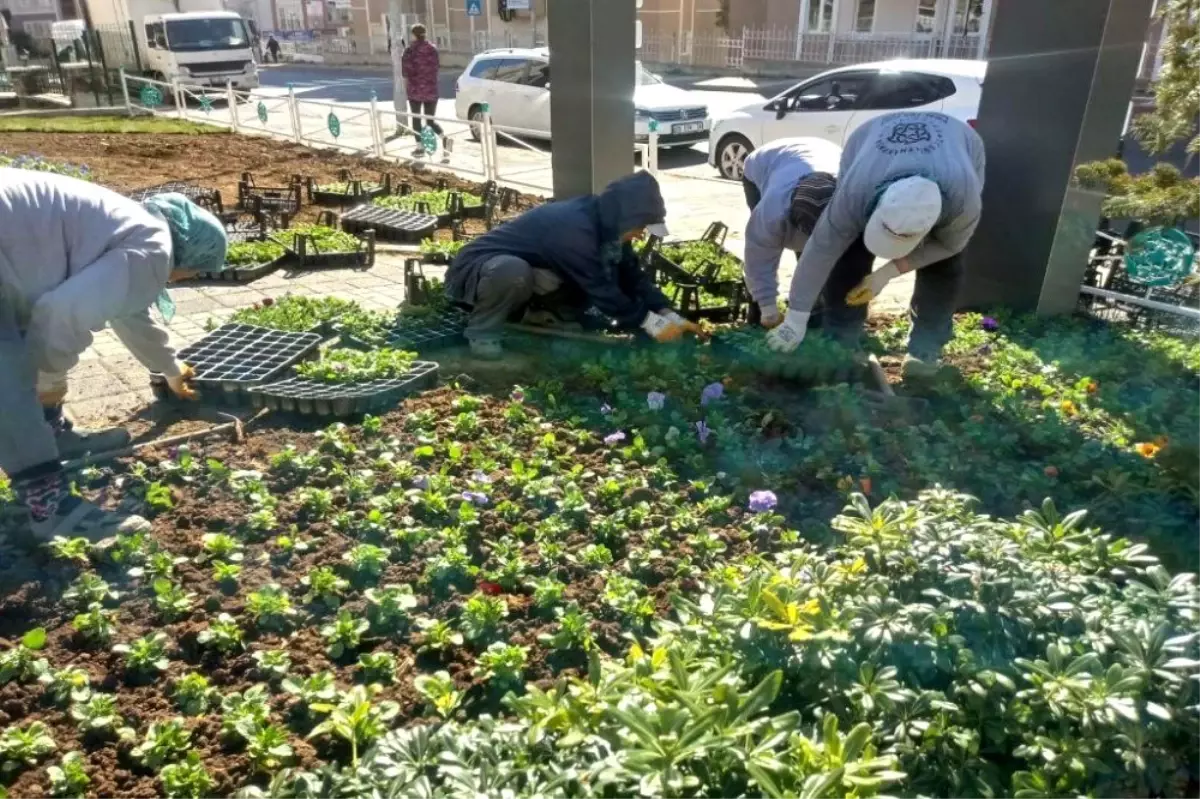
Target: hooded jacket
580	241
74	257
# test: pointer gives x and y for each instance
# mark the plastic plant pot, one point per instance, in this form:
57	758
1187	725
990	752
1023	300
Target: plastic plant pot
235	357
308	255
314	398
389	224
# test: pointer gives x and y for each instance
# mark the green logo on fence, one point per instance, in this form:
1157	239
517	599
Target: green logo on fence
429	140
206	103
150	96
262	111
1159	257
335	126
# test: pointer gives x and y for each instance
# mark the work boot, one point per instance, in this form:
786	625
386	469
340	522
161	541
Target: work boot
447	147
54	512
915	368
486	349
418	151
76	442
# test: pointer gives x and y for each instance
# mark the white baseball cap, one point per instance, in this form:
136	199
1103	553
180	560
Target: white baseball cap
658	229
907	211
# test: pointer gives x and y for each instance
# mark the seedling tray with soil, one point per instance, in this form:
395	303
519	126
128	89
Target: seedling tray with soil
447	206
348	190
703	261
819	360
316	398
272	199
235	357
421	333
440	252
249	260
721	302
322	246
389	224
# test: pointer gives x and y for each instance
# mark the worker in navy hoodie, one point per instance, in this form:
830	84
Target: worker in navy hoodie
579	248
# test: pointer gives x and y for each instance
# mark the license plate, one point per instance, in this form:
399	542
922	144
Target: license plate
688	127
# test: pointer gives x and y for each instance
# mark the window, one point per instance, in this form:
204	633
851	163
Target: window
907	90
201	35
485	68
926	16
838	93
154	35
864	18
968	14
538	75
510	70
820	16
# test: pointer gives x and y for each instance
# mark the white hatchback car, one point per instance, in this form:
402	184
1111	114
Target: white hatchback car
515	83
833	104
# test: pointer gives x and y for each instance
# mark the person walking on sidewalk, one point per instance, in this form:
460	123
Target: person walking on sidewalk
273	48
75	257
419	65
910	190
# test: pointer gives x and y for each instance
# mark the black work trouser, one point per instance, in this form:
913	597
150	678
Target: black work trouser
428	108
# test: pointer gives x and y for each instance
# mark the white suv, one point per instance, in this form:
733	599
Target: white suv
515	83
833	104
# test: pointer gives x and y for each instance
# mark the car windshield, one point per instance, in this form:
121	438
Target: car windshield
645	77
193	35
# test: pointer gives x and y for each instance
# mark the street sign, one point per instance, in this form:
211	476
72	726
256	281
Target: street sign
518	5
474	8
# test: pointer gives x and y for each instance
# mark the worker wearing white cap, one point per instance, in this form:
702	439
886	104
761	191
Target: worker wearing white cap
909	186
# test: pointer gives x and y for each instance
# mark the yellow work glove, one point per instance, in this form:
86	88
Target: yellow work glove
663	330
688	326
181	386
873	284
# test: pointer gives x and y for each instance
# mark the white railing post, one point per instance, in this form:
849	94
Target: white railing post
180	105
125	93
376	135
231	101
652	149
487	141
294	112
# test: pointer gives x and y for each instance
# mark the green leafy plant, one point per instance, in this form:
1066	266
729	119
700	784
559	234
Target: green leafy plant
77	550
270	607
441	249
96	625
98	716
293	312
502	664
68	685
388	607
90	588
268	748
357	366
324	239
253	253
343	634
224	635
325	586
145	655
355	719
438	635
21	662
22	746
379	667
482	615
68	777
171	600
274	663
439	691
187	779
367	560
437	201
194	695
164	742
313	691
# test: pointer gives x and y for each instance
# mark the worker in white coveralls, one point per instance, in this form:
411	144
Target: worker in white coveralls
788	184
75	257
909	190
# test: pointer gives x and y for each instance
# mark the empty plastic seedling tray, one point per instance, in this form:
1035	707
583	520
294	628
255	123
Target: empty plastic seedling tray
234	358
348	190
418	334
210	198
389	224
272	199
314	398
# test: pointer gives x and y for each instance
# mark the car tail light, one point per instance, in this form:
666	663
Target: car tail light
974	123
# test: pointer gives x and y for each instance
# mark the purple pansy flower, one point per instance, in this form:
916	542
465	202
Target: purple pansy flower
702	431
480	477
711	392
656	399
989	324
518	394
475	497
762	501
614	438
422	482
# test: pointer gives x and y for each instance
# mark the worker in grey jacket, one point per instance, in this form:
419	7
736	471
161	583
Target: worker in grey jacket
909	187
788	183
75	257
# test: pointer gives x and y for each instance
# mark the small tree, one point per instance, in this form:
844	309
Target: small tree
1162	196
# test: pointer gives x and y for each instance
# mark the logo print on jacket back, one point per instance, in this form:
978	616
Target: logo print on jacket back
912	133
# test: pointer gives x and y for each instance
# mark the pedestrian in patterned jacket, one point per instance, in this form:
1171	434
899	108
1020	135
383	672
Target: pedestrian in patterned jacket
420	64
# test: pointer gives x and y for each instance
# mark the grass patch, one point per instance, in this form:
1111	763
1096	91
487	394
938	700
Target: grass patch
103	124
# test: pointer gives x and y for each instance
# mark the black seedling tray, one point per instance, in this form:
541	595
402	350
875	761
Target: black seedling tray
389	224
418	334
270	199
243	274
208	198
662	269
313	398
235	357
308	256
359	191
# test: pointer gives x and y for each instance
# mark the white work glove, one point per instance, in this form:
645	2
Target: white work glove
769	315
787	336
873	284
181	384
667	326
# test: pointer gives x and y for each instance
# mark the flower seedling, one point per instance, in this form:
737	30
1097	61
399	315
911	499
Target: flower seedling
367	561
312	691
574	630
90	588
223	635
267	747
145	655
68	685
98	716
187	779
482	615
274	663
357	366
343	634
325	587
159	498
502	664
21	662
377	667
221	546
226	574
76	550
96	625
25	746
439	691
68	778
171	601
194	695
388	607
242	712
437	635
253	253
355	719
270	607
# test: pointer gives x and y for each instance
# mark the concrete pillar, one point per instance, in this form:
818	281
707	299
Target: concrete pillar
1060	77
591	104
